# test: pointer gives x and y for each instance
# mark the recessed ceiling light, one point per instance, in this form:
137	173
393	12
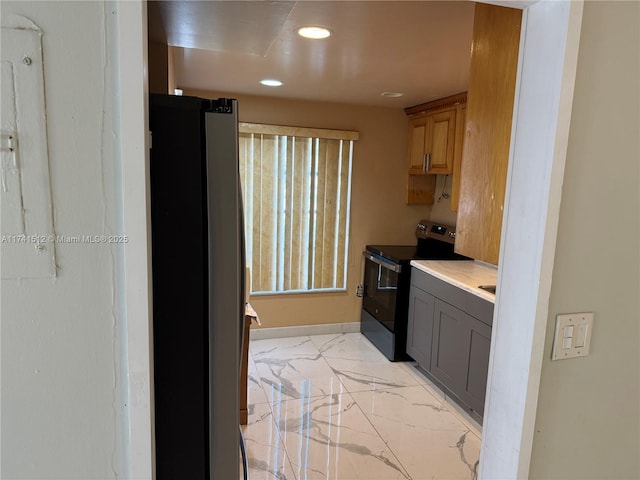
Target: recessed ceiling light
271	82
314	32
392	94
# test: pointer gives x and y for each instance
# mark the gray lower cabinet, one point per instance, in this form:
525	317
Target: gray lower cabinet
460	354
420	326
449	336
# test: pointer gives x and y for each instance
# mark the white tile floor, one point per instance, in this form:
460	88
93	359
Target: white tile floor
333	407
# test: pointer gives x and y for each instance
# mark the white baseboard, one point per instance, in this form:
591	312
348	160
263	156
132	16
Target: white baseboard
258	333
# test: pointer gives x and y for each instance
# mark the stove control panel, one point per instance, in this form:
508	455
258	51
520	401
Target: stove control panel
445	233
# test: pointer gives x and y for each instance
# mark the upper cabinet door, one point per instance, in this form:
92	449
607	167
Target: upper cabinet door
417	144
485	154
440	144
431	143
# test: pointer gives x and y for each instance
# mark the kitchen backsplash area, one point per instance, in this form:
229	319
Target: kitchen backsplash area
441	208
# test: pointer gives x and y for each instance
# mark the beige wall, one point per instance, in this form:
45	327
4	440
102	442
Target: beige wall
588	419
378	211
441	209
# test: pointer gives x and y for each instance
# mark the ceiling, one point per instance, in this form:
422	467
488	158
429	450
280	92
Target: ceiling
419	48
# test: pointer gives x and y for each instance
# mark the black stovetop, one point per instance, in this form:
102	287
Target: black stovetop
426	249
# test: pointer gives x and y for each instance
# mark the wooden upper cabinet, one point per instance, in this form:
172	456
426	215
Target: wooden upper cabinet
435	141
485	154
431	142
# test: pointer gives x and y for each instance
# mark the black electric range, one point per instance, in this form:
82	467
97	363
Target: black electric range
387	280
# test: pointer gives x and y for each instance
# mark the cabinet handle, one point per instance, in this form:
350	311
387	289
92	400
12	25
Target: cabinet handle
426	162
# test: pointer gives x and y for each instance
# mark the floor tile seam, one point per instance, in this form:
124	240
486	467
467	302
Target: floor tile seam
451	406
378	388
282	442
384	441
438	396
281	434
462	428
261	385
414	373
392	451
314	396
265	389
377	433
344	386
282	356
264	385
439	404
414	383
275	339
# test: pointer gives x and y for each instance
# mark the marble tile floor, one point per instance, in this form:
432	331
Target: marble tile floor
333	407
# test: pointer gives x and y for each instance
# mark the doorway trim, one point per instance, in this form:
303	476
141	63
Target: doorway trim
547	62
139	457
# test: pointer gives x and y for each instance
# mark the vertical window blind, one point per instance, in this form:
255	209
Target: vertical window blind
297	193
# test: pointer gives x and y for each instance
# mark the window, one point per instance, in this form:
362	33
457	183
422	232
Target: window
297	194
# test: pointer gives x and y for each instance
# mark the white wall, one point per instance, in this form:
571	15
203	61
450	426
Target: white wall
588	418
62	408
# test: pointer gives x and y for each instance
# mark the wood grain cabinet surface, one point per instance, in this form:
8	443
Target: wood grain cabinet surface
487	132
435	143
431	142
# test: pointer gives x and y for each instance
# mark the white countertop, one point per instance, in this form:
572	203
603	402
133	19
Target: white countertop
465	274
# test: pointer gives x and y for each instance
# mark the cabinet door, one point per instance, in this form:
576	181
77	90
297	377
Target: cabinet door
478	365
432	142
441	134
450	350
420	326
417	144
460	354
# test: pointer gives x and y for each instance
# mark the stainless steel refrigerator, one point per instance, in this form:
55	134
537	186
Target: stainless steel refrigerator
198	286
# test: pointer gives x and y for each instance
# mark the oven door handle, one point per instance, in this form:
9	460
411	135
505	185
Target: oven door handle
382	262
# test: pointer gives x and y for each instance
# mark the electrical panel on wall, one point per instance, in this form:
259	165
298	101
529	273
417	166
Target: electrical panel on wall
26	224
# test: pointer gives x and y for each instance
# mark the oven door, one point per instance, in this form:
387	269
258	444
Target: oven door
381	278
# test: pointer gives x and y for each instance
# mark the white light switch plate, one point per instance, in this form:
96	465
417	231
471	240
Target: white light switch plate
573	335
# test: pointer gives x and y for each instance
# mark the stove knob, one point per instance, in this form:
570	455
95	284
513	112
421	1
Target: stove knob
421	227
452	234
